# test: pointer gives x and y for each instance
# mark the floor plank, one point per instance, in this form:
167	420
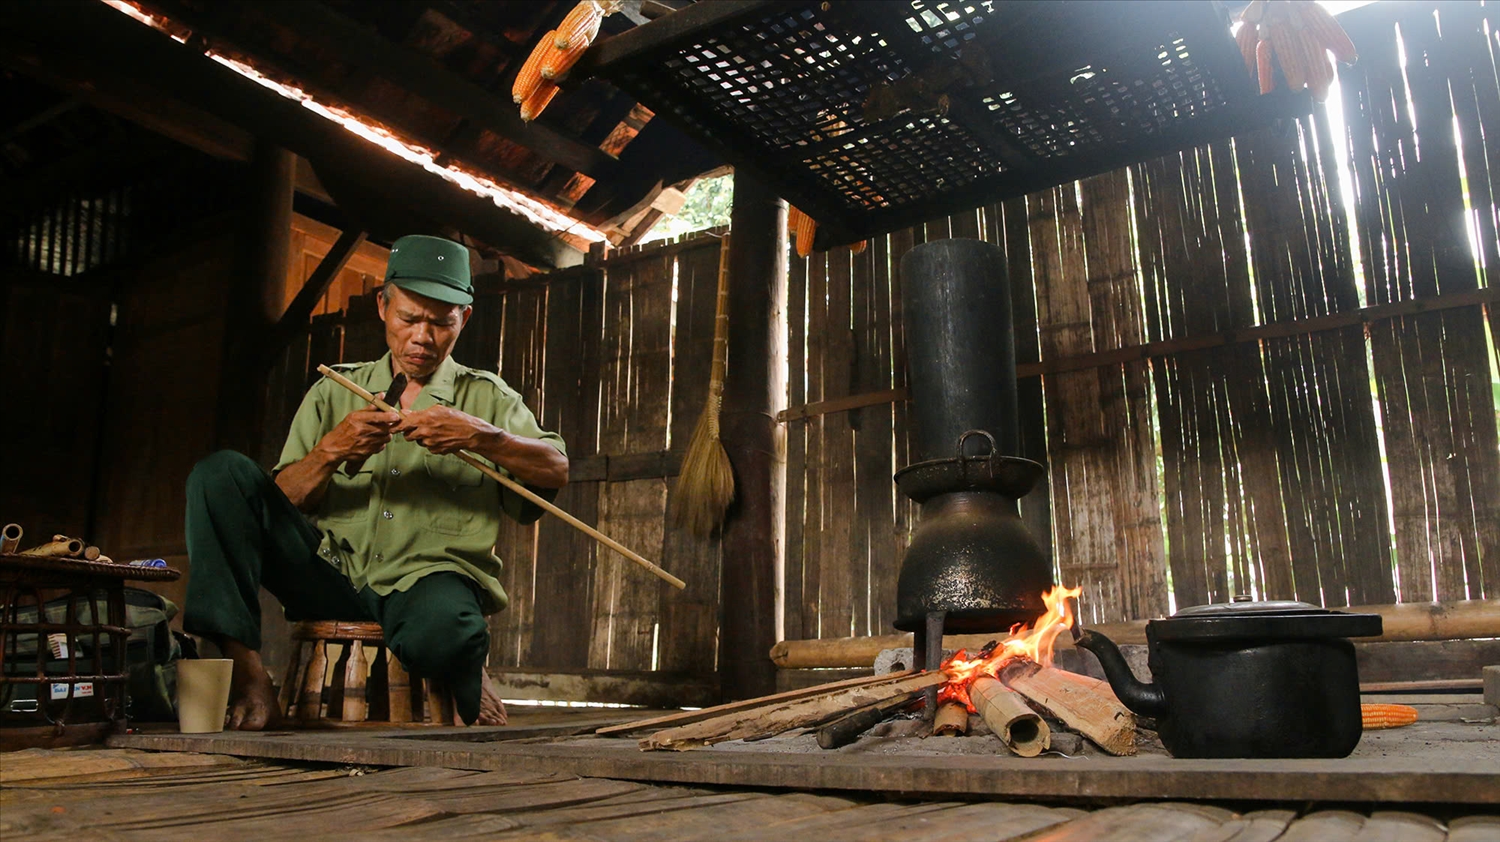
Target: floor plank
1474	829
1390	826
1257	826
1139	823
1324	826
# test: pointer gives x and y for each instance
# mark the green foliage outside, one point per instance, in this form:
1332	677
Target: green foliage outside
708	204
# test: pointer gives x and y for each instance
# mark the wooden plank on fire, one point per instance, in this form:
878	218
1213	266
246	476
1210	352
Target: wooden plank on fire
1084	704
767	720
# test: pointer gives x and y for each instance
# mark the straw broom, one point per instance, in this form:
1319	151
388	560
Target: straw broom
705	485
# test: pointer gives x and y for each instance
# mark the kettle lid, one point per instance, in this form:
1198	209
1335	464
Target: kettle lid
1267	620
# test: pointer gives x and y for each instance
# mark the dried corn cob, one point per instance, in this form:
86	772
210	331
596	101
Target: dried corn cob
1266	74
1319	71
793	219
581	24
558	62
1326	31
1247	37
1386	716
530	76
538	101
1285	43
806	231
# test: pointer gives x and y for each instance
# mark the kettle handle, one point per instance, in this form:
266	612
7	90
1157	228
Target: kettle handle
1144	699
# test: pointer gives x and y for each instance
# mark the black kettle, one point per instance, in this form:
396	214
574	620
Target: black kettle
1247	679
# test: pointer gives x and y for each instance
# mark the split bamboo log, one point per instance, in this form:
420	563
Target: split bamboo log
1084	704
952	720
66	548
1460	620
1012	720
517	487
779	718
10	538
689	716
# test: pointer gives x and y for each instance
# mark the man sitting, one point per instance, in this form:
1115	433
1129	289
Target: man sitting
369	515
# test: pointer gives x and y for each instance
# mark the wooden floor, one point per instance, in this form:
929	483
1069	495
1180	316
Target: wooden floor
127	794
1452	762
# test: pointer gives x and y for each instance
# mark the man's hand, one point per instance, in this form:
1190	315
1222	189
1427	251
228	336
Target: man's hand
360	435
443	429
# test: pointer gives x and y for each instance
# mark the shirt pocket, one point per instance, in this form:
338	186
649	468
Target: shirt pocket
348	497
462	498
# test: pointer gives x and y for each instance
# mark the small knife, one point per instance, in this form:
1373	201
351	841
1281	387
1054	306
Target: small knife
394	391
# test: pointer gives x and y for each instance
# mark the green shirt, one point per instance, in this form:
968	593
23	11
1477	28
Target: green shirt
407	512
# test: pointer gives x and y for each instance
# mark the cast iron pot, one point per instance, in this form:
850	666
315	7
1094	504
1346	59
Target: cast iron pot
1247	679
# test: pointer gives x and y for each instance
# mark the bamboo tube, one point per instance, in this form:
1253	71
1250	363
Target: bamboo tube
10	538
1084	704
517	487
1460	620
1015	723
67	548
952	720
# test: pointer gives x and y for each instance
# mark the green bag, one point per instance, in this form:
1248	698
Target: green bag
151	653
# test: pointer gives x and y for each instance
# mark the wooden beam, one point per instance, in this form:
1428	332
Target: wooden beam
41	118
361	46
145	107
1489	296
609	53
753	387
299	312
100	39
1472	618
261	254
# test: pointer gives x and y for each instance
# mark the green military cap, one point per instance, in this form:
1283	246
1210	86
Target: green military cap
431	266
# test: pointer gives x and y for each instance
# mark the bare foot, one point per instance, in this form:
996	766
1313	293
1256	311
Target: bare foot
491	709
252	697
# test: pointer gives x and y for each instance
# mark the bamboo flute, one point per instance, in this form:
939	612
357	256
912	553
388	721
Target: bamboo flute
66	548
10	538
520	489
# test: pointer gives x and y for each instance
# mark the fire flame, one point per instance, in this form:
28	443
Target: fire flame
1033	642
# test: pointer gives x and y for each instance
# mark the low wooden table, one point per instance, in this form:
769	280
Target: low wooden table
63	632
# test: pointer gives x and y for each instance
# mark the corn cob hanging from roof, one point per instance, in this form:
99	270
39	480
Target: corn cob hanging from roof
1297	36
556	53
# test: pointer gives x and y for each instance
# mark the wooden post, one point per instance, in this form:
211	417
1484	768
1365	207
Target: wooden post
754	388
254	297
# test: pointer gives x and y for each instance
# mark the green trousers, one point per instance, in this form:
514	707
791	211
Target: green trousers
244	534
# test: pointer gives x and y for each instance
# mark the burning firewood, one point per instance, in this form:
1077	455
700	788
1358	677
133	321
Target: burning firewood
1084	704
773	719
1018	726
952	720
847	728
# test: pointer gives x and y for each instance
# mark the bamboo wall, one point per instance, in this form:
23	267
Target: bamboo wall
1340	466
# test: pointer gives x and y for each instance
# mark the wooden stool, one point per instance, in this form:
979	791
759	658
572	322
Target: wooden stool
359	690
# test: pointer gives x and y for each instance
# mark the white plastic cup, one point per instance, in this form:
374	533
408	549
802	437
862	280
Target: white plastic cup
203	694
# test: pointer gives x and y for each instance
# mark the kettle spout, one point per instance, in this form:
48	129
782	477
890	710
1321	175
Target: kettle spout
1144	699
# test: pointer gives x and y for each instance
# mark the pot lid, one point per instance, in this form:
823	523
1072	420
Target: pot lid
1246	607
1262	620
